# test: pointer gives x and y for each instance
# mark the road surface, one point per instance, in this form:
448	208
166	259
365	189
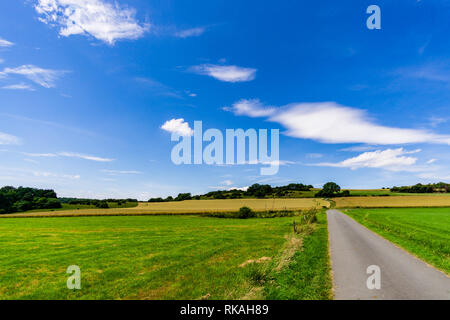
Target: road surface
354	248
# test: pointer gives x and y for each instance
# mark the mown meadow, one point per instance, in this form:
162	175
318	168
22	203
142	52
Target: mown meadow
164	257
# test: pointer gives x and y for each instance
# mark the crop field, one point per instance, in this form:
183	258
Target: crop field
437	200
384	192
425	232
163	257
189	207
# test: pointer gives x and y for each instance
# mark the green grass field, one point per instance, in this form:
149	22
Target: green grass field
162	257
425	232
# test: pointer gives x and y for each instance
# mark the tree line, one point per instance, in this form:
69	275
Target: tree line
439	187
24	199
102	204
254	191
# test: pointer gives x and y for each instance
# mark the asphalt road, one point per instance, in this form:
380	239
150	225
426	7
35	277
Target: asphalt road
354	248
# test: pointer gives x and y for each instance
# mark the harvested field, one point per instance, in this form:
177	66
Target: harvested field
187	207
393	202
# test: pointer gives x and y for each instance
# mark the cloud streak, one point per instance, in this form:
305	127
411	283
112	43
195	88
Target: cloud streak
97	18
69	155
193	32
116	172
19	86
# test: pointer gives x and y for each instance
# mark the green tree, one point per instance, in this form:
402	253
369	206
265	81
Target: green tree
329	190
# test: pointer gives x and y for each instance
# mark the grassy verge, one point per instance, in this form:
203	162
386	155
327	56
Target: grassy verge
307	277
148	257
425	232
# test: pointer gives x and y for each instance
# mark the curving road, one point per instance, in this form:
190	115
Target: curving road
354	248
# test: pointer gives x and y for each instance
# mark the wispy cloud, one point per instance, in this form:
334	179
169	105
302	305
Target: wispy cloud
329	122
84	156
24	175
433	176
46	174
389	159
436	71
19	86
69	155
9	139
358	148
192	32
435	121
97	18
58	125
178	126
5	43
43	155
225	73
158	88
314	155
43	77
116	172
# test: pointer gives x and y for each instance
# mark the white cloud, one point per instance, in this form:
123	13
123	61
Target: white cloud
193	32
115	172
44	77
70	155
178	126
227	182
101	19
225	73
9	139
5	43
431	161
241	189
329	122
389	159
19	86
251	108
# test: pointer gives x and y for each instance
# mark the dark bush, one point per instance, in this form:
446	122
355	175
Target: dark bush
245	213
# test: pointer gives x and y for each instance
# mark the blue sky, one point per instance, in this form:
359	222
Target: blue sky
86	85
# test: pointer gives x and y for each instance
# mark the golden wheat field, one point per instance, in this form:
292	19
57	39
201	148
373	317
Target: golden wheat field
397	201
187	207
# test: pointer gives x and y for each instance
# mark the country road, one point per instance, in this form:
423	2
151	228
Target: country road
354	248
